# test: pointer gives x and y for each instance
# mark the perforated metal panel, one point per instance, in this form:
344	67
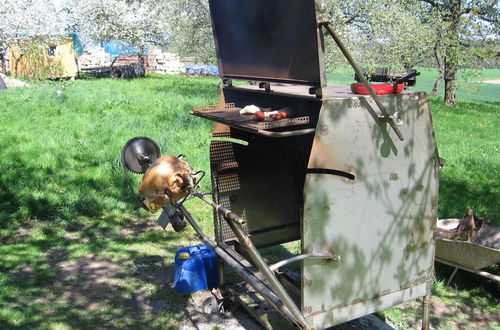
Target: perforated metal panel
224	182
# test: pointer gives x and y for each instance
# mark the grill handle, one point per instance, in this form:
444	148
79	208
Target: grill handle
286	133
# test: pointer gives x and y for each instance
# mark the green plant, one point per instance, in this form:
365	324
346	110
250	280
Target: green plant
38	64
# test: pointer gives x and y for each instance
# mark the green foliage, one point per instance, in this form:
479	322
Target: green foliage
39	65
190	29
389	33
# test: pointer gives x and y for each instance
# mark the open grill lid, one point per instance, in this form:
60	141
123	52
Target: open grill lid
268	40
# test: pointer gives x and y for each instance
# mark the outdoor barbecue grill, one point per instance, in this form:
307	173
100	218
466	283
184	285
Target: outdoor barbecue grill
353	177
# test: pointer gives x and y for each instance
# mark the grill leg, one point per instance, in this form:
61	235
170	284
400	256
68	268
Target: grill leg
426	302
268	274
452	276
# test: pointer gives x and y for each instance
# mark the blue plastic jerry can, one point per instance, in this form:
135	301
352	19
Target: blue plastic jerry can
195	269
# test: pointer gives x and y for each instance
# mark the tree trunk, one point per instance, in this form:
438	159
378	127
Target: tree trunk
17	60
3	63
440	76
452	54
450	85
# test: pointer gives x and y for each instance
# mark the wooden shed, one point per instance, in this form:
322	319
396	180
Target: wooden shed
50	57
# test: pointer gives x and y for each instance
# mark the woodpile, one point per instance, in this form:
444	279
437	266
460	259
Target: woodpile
465	229
134	70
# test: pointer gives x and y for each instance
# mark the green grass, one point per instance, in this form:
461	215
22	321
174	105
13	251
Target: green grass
464	305
61	153
64	197
474	89
468	138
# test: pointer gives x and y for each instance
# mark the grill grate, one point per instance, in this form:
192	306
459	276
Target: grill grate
230	115
224	181
216	108
283	123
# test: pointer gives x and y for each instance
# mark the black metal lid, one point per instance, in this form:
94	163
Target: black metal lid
268	40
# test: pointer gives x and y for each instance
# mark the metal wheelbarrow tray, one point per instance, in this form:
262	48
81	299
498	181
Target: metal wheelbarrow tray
484	251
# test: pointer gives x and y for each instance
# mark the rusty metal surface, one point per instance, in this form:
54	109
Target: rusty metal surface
268	40
230	115
216	108
225	182
466	254
330	92
375	206
271	174
346	312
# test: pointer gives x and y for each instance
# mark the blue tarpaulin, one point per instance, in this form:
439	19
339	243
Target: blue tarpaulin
77	43
118	47
212	70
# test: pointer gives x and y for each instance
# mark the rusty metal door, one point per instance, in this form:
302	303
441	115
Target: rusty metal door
372	199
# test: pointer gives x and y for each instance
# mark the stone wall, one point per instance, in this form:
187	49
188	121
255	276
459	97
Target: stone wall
156	61
165	63
94	58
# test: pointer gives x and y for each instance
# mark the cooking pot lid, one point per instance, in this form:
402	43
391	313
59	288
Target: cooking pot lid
268	40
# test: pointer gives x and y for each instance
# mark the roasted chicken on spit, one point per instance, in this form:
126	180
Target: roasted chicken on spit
166	182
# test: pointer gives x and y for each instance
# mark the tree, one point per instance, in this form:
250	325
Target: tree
138	22
190	29
460	22
392	33
24	22
362	24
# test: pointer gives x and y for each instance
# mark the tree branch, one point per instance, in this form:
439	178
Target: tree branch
431	2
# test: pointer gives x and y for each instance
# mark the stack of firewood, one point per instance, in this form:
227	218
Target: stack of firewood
466	230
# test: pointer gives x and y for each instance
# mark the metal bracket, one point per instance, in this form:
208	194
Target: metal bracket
396	118
318	91
265	85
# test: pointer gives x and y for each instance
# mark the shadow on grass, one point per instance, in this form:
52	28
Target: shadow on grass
456	195
99	277
51	192
468	299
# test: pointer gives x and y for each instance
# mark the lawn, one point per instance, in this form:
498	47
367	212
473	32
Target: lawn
472	89
77	252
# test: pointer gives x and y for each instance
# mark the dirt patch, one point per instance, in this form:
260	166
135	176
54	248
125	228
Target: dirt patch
462	316
448	316
13	83
91	282
140	226
492	81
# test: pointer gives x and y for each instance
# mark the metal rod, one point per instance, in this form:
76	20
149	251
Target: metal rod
227	214
426	301
254	282
287	133
452	276
302	257
475	271
361	77
268	274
